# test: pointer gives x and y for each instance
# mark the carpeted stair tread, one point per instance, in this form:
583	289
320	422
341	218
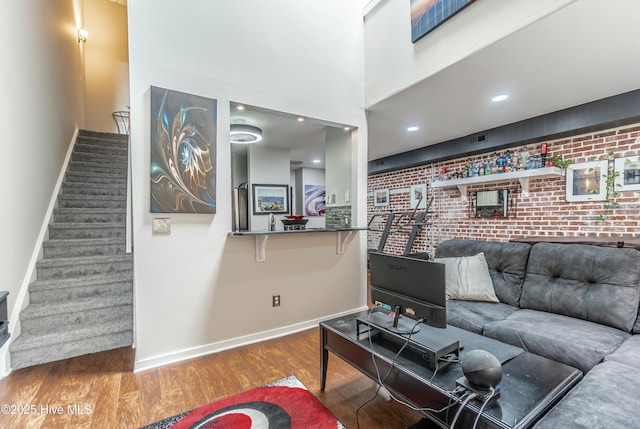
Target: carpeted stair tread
92	201
93	280
84	242
100	148
74	344
89	214
40	310
83	230
125	257
94	167
96	178
57	336
74	247
78	188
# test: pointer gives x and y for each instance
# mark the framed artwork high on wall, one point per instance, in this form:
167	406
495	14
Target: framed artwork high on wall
586	181
418	196
381	197
628	169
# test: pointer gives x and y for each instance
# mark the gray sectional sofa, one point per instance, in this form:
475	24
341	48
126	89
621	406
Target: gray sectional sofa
572	303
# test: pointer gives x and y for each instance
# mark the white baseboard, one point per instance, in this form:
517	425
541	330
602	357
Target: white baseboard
181	355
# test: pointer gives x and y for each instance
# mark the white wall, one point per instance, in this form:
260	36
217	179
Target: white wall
42	87
338	151
198	290
393	63
107	63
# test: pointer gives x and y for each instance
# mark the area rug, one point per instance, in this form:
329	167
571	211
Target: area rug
282	404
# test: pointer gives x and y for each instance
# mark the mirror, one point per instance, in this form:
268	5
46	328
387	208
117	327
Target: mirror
304	162
492	203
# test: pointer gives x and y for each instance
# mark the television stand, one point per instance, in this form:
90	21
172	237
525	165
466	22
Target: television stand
437	350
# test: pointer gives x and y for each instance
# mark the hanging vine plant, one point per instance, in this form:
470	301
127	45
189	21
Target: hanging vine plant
611	183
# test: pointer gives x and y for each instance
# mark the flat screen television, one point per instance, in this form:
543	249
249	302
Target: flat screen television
408	286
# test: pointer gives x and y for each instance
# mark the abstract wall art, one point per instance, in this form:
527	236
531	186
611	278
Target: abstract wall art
183	152
314	200
426	15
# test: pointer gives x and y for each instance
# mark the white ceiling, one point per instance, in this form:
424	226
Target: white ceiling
586	51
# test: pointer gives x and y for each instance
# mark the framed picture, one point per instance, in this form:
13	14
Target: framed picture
628	169
586	181
418	196
381	197
270	199
426	15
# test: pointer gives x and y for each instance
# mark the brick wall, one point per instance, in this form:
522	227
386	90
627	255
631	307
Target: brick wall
544	211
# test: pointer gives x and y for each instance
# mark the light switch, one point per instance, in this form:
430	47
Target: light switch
162	225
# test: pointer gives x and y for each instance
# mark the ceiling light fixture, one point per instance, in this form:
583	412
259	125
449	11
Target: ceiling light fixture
500	97
413	128
240	107
245	134
300	119
316	161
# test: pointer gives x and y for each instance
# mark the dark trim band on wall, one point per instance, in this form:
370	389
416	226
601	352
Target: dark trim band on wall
610	112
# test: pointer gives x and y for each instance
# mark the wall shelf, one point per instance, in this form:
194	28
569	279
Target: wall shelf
521	176
262	237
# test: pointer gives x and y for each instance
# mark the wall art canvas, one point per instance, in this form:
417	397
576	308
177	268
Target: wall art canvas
586	181
183	152
426	15
314	200
270	199
628	169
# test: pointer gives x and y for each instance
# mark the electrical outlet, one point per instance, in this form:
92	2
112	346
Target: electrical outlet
276	301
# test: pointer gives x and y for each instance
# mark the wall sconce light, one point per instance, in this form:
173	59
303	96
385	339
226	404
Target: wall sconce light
82	35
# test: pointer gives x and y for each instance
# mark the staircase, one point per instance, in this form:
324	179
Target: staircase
82	300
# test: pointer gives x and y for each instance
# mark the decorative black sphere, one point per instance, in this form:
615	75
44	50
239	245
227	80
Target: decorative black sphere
482	369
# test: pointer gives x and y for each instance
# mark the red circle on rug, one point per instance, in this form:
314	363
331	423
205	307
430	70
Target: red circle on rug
303	409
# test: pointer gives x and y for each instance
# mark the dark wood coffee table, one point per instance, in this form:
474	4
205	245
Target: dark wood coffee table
530	384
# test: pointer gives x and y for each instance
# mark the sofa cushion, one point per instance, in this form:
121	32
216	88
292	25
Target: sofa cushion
506	261
575	342
468	278
628	353
472	316
599	284
607	397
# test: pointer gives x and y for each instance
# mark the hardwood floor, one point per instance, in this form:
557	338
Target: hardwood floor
107	394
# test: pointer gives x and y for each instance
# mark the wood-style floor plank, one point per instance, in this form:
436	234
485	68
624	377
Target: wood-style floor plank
106	393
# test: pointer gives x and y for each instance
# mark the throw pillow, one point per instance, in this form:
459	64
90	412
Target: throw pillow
468	278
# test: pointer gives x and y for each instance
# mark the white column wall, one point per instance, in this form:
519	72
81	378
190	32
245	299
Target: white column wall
198	290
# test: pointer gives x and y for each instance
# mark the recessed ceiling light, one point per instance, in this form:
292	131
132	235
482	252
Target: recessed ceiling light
500	97
240	107
300	119
316	161
347	128
413	128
